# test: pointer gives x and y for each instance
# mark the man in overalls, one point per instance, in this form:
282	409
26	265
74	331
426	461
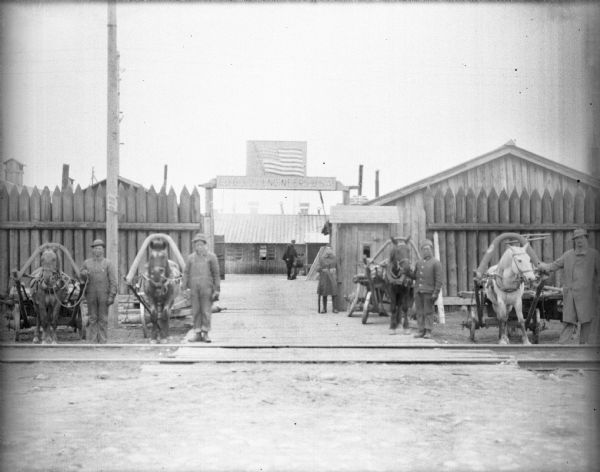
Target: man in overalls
100	292
201	277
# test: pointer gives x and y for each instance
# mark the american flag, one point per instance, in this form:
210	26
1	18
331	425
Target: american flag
281	158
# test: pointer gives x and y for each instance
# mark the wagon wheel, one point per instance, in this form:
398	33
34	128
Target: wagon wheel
143	320
366	307
354	300
536	328
16	316
82	321
472	324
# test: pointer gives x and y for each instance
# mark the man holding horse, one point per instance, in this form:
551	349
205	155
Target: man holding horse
100	291
428	283
581	284
202	278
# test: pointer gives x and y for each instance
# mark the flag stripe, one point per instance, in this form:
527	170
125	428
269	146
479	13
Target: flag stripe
282	161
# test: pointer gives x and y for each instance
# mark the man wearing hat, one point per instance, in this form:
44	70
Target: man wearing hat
201	276
100	291
581	283
428	283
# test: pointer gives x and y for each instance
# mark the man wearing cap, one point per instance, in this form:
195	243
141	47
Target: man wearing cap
201	276
100	291
428	283
581	283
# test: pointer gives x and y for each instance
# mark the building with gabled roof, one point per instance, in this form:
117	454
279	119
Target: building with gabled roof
255	243
508	189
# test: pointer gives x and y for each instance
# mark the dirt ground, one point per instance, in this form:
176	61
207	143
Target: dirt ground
296	416
300	417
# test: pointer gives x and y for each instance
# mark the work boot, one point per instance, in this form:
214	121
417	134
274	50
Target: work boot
427	334
205	337
420	334
194	337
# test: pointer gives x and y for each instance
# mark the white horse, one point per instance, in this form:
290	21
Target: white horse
505	285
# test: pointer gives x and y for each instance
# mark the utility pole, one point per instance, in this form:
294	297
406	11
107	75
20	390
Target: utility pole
112	154
376	183
360	178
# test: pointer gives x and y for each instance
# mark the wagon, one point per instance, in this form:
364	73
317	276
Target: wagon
371	294
543	304
22	315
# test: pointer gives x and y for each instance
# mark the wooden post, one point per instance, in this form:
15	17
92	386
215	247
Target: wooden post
112	155
346	196
65	176
360	179
440	300
209	227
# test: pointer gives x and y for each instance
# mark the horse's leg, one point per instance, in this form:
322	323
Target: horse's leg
519	311
394	307
37	334
44	315
502	316
54	321
406	296
154	319
163	323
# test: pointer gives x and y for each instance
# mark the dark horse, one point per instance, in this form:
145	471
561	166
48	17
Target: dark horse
48	290
160	288
399	278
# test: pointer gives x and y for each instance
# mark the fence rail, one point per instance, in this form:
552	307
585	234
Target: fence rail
467	221
75	218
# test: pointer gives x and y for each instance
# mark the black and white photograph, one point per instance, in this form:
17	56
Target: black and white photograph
272	236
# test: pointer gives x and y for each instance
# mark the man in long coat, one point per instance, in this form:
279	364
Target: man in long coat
289	256
327	269
581	284
201	276
100	292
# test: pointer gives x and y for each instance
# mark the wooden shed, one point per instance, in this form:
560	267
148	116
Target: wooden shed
507	189
255	243
358	231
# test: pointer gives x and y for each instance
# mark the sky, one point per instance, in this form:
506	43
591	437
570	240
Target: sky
409	89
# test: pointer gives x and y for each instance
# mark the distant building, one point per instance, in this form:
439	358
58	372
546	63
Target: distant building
255	243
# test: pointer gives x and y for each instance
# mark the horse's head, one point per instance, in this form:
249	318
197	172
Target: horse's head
400	259
49	266
517	260
158	266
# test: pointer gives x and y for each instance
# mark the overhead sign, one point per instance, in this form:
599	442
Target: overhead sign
276	183
276	158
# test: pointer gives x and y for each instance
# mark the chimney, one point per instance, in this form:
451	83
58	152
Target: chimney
13	171
376	183
360	177
304	208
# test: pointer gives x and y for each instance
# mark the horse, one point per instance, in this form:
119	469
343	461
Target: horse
504	286
161	286
48	290
399	285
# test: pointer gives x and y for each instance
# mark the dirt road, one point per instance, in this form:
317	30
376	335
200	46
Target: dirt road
295	416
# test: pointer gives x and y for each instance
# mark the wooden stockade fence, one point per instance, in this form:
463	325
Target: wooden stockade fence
75	218
467	222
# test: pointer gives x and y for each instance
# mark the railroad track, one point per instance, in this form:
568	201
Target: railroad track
534	357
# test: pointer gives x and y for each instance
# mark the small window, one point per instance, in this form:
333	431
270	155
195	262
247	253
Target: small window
262	252
235	253
366	250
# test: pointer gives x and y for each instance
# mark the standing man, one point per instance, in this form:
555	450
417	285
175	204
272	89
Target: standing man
289	256
100	291
201	276
428	283
581	283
